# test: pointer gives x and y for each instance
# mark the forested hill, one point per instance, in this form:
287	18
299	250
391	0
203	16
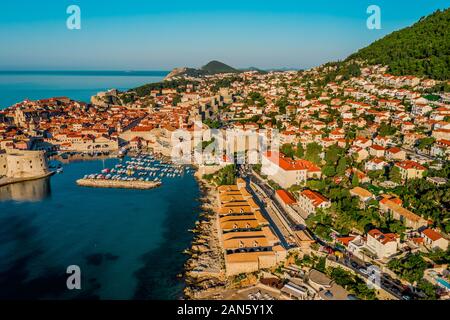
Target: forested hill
422	49
214	67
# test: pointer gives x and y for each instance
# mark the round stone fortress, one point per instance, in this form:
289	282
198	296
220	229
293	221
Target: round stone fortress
23	164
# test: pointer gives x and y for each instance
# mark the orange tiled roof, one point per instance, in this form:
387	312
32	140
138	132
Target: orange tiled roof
286	197
383	237
289	164
409	164
315	197
431	234
345	240
394	150
377	147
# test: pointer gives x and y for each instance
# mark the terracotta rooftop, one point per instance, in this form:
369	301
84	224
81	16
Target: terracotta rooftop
286	197
383	237
315	197
361	192
431	234
289	164
409	164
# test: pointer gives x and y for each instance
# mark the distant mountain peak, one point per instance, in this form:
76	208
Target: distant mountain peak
215	66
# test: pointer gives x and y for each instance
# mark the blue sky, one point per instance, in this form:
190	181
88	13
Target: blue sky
160	35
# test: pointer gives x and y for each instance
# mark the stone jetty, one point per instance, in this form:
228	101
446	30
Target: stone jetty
101	183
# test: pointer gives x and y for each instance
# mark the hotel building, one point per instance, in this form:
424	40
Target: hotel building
286	171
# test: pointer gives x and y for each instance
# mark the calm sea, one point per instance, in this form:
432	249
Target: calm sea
128	243
15	86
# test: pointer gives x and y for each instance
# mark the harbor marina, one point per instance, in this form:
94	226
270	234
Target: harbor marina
143	171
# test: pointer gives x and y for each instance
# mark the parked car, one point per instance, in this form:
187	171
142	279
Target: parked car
363	271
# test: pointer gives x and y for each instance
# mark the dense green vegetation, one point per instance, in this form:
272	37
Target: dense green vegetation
428	289
212	124
205	144
345	213
313	151
336	162
225	82
282	103
440	256
146	89
443	173
300	151
351	283
386	129
225	176
176	100
427	200
395	174
425	143
127	98
440	87
288	150
254	98
311	261
336	71
214	67
422	49
411	268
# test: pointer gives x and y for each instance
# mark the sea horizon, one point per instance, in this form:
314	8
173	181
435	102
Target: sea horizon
18	85
86	72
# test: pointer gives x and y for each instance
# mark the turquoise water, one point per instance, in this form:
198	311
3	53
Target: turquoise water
128	243
444	283
15	86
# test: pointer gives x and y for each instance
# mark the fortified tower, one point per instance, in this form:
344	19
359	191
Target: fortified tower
23	164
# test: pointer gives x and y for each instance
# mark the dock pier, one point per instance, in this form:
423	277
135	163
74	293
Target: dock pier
101	183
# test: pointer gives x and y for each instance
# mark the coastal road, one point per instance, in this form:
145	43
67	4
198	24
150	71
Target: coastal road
276	225
276	214
385	282
416	153
264	201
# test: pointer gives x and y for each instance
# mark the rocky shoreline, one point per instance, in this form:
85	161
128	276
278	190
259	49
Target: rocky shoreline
205	269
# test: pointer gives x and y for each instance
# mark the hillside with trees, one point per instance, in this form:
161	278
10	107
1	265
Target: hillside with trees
422	49
214	67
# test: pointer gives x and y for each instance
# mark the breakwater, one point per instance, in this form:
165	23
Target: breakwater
99	183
